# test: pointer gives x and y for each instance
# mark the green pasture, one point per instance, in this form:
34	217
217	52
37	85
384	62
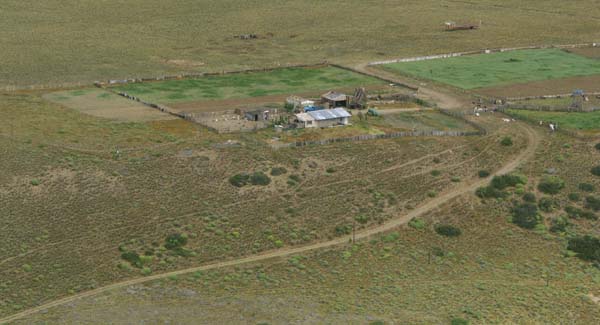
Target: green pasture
498	69
584	121
245	85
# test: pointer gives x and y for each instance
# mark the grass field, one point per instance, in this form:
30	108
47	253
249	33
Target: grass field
113	39
101	103
588	122
497	69
245	85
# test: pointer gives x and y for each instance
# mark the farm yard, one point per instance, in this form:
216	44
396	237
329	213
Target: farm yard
331	189
499	69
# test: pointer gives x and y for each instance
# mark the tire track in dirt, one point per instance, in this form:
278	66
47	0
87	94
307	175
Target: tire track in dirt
529	152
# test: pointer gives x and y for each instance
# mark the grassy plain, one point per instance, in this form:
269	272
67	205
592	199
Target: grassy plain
497	69
245	85
587	121
73	42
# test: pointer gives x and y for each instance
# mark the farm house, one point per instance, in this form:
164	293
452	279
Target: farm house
322	118
335	99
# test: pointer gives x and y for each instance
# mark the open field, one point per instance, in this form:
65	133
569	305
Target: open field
588	123
547	87
589	52
497	69
247	85
117	40
49	250
101	103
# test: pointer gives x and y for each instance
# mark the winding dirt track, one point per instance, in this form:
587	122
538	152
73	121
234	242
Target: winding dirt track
533	142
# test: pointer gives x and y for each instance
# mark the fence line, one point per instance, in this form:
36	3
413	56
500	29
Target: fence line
372	75
483	51
424	133
548	96
546	108
461	115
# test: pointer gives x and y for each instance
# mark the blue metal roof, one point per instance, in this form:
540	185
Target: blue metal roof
329	114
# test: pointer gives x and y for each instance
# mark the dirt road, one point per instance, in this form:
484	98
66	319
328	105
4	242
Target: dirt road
533	142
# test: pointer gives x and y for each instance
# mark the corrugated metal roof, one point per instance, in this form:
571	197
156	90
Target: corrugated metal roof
329	114
335	96
304	117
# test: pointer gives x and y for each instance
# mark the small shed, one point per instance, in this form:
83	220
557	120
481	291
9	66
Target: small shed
257	115
323	118
335	99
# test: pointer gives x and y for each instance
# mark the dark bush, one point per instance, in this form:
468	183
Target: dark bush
546	204
331	170
559	225
577	213
239	180
489	192
575	197
506	141
551	185
484	173
435	173
597	146
459	321
343	230
596	170
175	241
587	187
586	247
133	258
260	178
509	180
295	178
525	215
276	171
592	202
529	197
448	230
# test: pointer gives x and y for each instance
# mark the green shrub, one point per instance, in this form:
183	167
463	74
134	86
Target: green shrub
175	241
484	173
547	204
587	187
577	213
35	182
432	194
435	173
506	141
455	179
596	170
260	178
295	178
417	223
525	215
508	180
597	146
592	202
586	247
489	192
575	197
239	180
331	170
276	171
529	197
362	219
559	225
133	258
459	321
343	230
448	230
551	185
146	271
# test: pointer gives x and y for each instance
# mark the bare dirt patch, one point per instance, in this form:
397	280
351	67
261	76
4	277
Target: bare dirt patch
547	87
589	52
100	103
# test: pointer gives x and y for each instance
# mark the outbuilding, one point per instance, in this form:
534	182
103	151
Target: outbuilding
323	118
335	99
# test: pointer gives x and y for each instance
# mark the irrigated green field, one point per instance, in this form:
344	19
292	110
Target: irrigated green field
72	42
245	85
498	69
588	122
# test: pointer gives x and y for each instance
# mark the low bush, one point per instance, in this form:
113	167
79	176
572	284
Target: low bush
551	185
459	321
435	173
35	182
529	197
596	170
586	247
260	178
525	215
506	141
587	187
175	241
489	192
417	223
331	170
133	258
547	204
597	146
343	230
577	213
575	197
484	173
362	219
559	225
508	180
448	230
239	180
592	202
295	178
276	171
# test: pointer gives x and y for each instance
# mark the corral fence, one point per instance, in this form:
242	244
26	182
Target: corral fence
547	108
413	88
555	96
483	51
461	115
424	133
